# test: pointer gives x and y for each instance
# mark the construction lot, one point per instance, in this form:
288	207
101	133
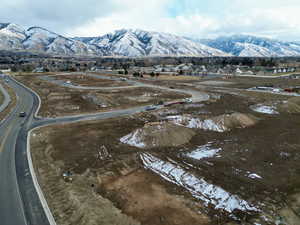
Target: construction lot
59	100
233	159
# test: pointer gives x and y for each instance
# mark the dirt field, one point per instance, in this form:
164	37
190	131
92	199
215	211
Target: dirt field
116	178
110	181
62	101
177	78
248	82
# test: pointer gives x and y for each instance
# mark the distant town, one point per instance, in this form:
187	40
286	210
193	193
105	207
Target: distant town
189	66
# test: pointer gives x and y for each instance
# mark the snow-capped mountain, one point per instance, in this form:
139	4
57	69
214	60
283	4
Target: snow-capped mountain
144	43
245	45
11	36
132	43
40	39
137	43
15	37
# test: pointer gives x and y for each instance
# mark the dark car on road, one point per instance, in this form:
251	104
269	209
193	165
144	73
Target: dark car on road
22	114
150	108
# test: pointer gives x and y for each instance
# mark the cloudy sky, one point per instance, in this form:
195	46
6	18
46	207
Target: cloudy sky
195	18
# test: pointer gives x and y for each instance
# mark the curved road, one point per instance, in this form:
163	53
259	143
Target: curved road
197	96
20	202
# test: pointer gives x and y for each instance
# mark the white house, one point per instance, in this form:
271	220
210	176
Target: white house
238	71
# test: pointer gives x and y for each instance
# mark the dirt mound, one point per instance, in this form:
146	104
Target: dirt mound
159	135
291	106
235	120
221	123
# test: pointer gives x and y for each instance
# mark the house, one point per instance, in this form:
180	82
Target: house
7	70
238	71
185	69
249	72
220	71
39	70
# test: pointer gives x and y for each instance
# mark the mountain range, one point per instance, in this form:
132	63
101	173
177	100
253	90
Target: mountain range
138	43
246	45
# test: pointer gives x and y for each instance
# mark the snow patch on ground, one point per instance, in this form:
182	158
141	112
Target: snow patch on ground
158	134
190	122
198	187
133	139
254	176
213	126
247	174
264	109
202	152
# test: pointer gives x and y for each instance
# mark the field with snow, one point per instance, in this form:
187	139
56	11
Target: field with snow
232	159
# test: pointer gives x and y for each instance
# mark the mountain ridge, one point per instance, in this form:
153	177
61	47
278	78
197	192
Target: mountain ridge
140	43
249	45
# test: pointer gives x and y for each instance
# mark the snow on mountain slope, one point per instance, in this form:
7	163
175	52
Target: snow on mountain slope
135	43
132	43
143	43
40	39
253	50
11	36
126	44
245	45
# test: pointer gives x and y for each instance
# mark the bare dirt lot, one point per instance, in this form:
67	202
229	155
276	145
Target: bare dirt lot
108	172
62	101
248	82
251	163
115	177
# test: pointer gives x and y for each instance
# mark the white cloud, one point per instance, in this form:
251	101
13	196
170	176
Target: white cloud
281	22
53	14
129	14
207	18
270	18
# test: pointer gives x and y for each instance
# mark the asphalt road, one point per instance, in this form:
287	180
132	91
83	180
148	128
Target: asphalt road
19	201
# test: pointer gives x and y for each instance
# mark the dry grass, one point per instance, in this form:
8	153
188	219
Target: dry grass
177	78
122	187
12	104
112	190
1	98
268	149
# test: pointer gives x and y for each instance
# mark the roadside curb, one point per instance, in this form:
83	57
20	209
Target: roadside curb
36	183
